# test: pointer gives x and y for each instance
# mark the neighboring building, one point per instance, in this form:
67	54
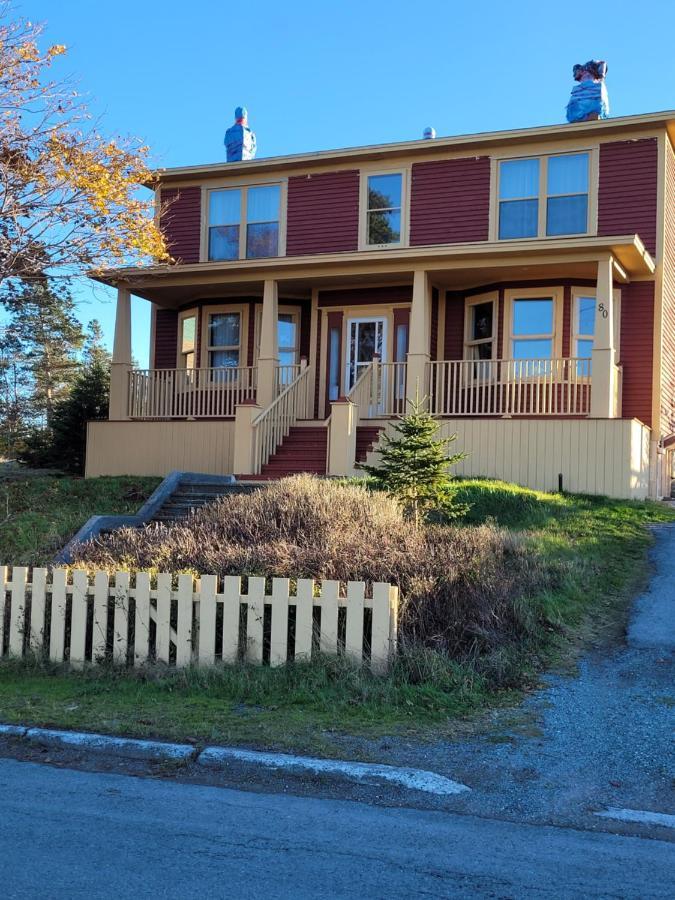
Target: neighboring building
523	282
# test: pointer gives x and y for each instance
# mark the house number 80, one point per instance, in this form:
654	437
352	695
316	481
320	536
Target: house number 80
602	309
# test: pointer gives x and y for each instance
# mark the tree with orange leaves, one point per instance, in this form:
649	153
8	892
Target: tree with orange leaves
69	199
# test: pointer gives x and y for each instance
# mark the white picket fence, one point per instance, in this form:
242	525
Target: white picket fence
133	619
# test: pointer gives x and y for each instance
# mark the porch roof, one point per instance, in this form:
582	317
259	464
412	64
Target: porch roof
457	266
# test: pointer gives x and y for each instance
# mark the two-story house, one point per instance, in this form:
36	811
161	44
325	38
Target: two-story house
521	283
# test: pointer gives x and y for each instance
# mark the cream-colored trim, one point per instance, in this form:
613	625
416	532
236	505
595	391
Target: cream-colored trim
512	294
575	293
542	197
628	127
657	338
474	300
243	186
440	336
366	173
628	249
243	329
323	313
182	315
294	311
153	335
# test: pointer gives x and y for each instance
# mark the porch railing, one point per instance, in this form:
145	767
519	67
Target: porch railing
274	424
189	393
510	387
380	390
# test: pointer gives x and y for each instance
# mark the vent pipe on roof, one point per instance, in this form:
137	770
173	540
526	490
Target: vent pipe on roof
429	133
239	139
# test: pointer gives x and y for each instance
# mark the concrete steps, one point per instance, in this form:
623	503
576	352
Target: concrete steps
193	495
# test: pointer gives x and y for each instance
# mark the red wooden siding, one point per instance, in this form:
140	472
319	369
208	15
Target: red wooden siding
396	293
450	201
433	338
305	328
636	353
166	338
454	325
668	342
322	213
627	194
181	222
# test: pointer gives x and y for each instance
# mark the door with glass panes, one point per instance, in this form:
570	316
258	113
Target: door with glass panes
366	338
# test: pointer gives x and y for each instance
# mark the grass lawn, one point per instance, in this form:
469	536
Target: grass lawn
597	547
39	514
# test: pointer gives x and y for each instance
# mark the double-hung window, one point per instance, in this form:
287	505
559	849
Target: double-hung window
224	339
244	222
480	328
383	202
532	327
188	340
544	196
583	326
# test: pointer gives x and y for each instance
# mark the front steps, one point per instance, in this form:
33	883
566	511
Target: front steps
303	450
192	495
366	438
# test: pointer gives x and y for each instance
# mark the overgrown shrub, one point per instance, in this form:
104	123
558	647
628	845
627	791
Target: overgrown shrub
464	590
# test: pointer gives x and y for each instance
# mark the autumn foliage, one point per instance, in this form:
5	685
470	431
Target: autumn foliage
69	196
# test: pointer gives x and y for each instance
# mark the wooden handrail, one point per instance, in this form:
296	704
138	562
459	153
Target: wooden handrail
275	422
210	393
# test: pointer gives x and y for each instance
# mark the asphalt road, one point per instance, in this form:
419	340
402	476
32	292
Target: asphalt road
71	834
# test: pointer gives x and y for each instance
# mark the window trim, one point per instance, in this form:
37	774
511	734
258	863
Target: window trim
365	174
477	300
206	347
243	185
577	292
182	315
285	309
542	197
534	293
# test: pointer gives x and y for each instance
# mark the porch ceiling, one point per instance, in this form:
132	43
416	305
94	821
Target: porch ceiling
457	267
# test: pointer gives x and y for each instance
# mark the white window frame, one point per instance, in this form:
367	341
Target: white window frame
180	355
575	336
353	320
469	342
367	173
243	186
544	293
542	197
207	348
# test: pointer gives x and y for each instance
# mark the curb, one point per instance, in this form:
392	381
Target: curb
222	757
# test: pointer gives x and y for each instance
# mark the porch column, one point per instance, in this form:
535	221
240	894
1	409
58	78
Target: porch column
121	358
342	437
268	358
604	384
419	342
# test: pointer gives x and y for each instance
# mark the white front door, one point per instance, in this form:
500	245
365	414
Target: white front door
365	338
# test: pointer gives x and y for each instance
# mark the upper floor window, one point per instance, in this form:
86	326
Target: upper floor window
384	209
244	222
544	196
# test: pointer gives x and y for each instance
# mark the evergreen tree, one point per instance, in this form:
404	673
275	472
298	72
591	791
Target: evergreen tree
46	340
414	466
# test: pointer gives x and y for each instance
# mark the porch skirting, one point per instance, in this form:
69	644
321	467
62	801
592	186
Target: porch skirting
157	448
594	456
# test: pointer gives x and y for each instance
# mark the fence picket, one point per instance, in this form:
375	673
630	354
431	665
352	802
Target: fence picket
329	617
304	618
163	617
121	618
231	606
184	625
57	636
380	639
254	619
142	619
78	618
208	587
356	592
37	611
17	610
99	639
279	638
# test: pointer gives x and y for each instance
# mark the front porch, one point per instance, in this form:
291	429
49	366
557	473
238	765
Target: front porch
247	367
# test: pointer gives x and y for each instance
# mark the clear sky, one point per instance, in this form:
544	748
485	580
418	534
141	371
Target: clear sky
320	75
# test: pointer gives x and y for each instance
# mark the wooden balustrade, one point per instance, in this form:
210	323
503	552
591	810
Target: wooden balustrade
510	387
189	393
274	423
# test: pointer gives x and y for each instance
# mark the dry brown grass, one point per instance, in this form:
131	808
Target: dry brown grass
462	587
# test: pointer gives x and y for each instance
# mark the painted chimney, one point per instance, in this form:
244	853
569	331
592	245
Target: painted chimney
240	141
588	100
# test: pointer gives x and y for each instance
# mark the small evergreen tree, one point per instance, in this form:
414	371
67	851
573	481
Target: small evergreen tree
414	466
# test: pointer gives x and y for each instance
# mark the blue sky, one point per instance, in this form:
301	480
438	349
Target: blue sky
323	75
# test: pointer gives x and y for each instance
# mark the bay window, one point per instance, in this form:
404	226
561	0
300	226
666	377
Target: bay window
224	339
544	196
533	324
583	326
480	328
187	340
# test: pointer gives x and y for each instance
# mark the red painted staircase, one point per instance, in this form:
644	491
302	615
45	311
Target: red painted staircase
366	438
304	450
